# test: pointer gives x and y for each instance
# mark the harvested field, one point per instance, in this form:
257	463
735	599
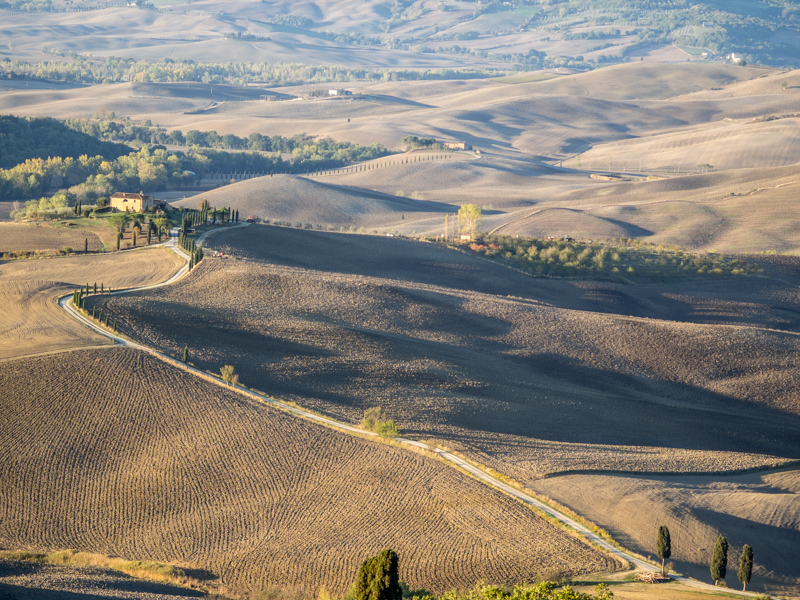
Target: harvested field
31	581
32	322
760	509
532	388
298	199
45	238
143	460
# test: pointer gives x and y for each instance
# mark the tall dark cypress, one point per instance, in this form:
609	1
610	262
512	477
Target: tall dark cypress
663	545
719	560
745	566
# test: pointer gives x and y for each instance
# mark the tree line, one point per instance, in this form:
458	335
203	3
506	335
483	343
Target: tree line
719	558
623	258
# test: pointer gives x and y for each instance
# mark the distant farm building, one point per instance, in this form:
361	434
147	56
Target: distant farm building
126	202
339	92
457	146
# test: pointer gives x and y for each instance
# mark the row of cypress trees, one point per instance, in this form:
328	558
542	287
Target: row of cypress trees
719	558
79	301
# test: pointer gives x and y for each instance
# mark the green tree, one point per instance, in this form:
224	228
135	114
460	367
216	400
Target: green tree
119	239
745	566
186	354
663	545
719	560
85	245
378	578
469	219
229	375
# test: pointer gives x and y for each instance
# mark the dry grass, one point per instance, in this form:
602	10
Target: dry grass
32	322
26	580
759	509
114	452
532	388
44	238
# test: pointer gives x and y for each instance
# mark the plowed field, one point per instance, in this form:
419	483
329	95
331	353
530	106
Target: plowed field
29	238
113	451
31	321
530	387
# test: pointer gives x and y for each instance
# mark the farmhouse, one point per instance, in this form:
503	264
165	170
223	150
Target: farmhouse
339	92
126	202
457	146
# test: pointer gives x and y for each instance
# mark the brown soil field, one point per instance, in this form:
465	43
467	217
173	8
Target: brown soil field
32	321
30	581
469	352
760	509
147	461
42	237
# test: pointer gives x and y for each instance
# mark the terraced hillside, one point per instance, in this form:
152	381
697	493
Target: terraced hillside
113	451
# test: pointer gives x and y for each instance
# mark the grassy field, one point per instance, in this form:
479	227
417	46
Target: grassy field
111	450
32	322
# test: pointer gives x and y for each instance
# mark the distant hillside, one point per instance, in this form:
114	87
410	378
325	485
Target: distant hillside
24	138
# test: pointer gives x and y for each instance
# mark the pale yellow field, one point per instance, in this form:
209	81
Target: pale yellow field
32	321
757	509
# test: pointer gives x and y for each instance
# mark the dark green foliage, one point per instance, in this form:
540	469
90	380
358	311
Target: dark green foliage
94	289
85	245
663	545
745	566
378	578
115	324
186	354
719	560
119	239
27	138
149	235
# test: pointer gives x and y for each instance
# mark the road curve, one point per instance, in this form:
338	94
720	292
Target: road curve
66	303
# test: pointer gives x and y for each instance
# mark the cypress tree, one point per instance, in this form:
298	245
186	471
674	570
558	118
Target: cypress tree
85	245
745	566
119	237
95	288
378	578
101	288
186	354
149	236
115	325
134	238
93	312
719	560
106	319
663	545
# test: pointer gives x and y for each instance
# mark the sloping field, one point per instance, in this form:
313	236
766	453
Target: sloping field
32	322
497	371
300	199
760	509
30	581
112	450
29	238
725	145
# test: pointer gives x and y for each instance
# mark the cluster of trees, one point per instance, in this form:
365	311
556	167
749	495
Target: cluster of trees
301	147
375	419
416	142
38	137
378	578
618	258
719	558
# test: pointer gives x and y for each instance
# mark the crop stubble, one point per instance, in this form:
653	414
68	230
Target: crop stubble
111	450
32	322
